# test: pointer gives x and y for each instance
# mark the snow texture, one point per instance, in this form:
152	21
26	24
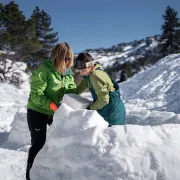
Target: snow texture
76	101
156	88
19	134
80	146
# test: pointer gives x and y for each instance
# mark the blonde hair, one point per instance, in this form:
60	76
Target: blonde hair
59	53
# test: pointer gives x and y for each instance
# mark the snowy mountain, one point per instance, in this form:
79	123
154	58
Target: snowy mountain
133	56
80	146
138	54
125	52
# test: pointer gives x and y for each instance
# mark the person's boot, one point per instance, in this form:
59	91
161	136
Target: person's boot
29	165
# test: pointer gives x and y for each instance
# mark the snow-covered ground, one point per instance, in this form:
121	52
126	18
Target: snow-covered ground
11	100
80	146
156	88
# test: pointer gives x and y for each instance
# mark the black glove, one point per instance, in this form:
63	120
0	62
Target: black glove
58	105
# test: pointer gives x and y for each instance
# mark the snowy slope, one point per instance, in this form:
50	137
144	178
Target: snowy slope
79	144
156	88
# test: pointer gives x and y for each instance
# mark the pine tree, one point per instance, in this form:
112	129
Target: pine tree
13	24
1	26
17	34
31	44
169	34
178	35
44	32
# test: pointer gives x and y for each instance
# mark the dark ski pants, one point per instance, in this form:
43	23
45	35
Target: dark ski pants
37	123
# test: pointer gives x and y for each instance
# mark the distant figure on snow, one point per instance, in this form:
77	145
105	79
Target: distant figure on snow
123	76
104	90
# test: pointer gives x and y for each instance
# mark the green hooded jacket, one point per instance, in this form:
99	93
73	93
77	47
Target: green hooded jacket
47	85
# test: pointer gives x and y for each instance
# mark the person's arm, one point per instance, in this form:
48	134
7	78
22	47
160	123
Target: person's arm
38	86
100	86
71	85
83	86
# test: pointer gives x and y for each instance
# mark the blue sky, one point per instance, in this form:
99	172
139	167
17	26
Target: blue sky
101	23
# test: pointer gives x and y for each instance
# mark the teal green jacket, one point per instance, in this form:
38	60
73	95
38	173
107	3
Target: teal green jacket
106	96
47	85
101	84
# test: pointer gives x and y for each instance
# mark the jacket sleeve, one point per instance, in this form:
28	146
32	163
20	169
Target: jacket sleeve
38	86
83	86
100	86
72	84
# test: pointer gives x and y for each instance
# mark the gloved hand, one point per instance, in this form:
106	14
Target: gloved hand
58	105
88	108
53	107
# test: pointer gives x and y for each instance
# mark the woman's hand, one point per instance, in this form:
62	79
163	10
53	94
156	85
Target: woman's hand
54	106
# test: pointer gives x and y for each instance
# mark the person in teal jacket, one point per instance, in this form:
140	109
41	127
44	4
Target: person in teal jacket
105	91
49	83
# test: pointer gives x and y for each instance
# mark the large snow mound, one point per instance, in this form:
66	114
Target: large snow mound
157	87
12	100
80	146
19	134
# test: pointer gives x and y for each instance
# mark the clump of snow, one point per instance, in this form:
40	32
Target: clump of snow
15	73
154	44
12	100
19	134
130	59
156	88
76	101
7	52
127	48
142	45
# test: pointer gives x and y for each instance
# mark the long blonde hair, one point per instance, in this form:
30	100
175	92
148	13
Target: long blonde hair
59	53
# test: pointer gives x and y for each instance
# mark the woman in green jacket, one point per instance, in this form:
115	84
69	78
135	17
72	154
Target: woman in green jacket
48	86
104	90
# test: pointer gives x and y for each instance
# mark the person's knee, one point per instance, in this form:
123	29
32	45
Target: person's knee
41	142
38	143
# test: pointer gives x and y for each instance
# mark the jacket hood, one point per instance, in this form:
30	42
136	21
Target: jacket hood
98	66
49	64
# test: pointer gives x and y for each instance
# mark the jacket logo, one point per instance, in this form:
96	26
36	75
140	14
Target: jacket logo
56	83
